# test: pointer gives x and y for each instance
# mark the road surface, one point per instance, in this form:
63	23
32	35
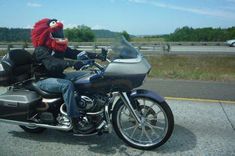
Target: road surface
192	89
200	129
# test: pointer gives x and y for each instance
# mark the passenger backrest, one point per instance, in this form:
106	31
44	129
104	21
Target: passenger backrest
15	66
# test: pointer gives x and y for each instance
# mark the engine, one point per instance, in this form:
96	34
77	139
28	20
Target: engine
93	103
93	106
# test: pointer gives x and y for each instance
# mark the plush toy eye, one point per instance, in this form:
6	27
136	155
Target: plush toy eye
52	23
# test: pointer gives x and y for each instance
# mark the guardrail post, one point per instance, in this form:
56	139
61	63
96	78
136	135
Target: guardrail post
25	45
94	47
166	48
9	46
75	46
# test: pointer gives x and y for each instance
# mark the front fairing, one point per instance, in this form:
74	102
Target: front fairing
127	70
126	60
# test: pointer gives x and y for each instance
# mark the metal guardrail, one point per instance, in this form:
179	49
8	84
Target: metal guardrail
155	46
147	48
138	44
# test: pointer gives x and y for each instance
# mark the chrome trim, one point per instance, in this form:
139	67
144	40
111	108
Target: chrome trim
127	102
95	113
85	135
88	113
62	111
103	123
50	100
134	60
107	117
1	68
28	124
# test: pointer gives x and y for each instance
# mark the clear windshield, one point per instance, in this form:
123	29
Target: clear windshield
122	49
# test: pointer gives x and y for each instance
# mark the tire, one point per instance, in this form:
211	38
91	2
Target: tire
233	44
166	111
33	129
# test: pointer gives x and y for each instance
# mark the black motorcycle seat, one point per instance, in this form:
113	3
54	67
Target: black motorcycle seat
44	94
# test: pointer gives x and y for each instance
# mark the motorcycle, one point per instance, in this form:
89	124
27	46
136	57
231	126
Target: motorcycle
110	99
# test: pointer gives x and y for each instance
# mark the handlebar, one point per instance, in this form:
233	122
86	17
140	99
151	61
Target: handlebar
104	53
93	63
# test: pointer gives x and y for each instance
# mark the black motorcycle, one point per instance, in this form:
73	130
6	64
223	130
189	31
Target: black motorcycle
110	100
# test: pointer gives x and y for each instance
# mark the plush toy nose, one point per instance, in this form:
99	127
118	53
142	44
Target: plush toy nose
59	25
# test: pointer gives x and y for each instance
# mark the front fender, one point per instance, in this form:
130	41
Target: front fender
147	93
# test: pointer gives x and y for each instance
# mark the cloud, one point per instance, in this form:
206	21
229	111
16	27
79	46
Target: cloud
28	27
97	27
201	11
34	5
70	25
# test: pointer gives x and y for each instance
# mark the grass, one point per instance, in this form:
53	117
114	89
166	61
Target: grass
209	68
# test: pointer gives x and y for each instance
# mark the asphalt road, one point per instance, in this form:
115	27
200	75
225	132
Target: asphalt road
192	89
192	50
203	50
200	129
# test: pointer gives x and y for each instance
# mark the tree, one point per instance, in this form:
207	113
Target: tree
202	34
80	33
126	35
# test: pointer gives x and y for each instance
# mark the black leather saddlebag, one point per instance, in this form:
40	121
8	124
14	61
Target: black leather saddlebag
15	66
18	105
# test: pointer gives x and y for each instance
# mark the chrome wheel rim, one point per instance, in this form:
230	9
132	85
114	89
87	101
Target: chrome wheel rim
152	129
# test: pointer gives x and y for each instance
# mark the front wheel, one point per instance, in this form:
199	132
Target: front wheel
156	127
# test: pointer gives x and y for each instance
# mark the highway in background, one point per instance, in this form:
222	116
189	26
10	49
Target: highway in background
190	50
157	49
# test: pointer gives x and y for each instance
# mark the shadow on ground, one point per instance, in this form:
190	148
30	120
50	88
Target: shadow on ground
181	140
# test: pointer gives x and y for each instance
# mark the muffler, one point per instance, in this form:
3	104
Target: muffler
58	127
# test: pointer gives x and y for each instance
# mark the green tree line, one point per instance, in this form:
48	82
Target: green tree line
80	34
201	34
84	33
77	34
14	34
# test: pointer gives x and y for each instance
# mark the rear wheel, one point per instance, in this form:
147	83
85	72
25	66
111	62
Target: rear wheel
33	129
156	125
233	44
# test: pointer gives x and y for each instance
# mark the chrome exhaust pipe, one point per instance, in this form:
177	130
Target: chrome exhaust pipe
59	127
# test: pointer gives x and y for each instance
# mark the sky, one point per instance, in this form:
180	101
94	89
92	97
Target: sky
137	17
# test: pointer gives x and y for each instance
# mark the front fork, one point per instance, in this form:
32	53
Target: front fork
128	104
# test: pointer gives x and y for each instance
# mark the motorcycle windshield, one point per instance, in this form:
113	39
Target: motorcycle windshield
126	60
123	51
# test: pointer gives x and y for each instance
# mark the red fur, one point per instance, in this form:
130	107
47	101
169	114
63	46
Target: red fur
41	36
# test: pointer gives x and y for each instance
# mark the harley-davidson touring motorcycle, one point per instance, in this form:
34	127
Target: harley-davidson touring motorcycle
110	99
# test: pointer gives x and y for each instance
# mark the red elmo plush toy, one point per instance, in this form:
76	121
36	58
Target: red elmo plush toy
49	33
51	47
